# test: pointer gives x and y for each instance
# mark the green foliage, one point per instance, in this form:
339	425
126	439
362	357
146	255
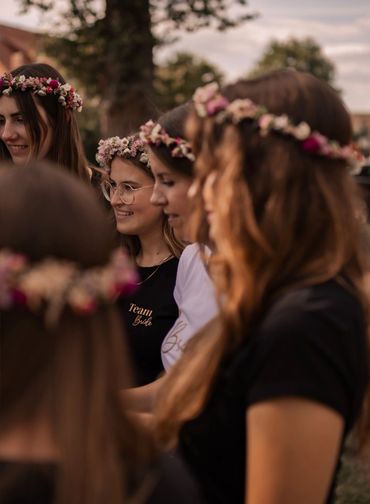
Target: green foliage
194	14
108	52
91	38
176	80
301	54
89	125
108	47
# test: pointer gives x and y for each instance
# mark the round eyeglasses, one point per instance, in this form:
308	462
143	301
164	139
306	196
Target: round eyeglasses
126	192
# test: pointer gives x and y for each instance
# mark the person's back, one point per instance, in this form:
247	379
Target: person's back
64	436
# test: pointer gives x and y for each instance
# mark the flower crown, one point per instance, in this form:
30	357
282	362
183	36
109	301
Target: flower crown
42	86
153	134
55	283
127	147
209	102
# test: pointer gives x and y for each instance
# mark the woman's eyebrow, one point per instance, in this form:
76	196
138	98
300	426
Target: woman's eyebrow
14	114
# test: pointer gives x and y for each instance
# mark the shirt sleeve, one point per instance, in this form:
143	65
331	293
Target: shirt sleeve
195	296
315	351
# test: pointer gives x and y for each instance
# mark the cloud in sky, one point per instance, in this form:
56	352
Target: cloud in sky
341	27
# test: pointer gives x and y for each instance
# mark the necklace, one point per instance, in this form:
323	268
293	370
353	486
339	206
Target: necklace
155	271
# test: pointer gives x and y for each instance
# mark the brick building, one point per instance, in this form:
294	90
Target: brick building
17	47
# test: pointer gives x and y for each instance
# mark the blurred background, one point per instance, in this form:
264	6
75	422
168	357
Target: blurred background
133	59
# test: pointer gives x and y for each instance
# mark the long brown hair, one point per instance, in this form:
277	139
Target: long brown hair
66	148
288	219
72	373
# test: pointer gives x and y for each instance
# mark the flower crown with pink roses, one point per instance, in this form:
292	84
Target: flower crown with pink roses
209	102
129	147
54	283
42	86
153	134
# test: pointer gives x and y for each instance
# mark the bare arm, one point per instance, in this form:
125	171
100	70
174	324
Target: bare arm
292	449
142	399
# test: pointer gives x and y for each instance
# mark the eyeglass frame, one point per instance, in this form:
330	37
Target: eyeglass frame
117	187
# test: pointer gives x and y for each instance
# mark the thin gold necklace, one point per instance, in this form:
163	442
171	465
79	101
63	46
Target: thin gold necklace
155	271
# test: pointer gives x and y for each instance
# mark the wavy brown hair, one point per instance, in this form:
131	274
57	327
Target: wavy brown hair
69	375
286	218
66	148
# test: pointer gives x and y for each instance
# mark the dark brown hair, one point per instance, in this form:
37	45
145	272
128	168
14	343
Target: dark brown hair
286	218
72	373
66	148
173	122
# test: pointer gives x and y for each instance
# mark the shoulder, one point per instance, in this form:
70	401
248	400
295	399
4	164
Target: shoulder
190	253
311	343
192	271
329	305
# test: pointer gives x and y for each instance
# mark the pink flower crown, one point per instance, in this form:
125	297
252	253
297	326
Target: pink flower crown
42	86
209	102
128	147
153	134
54	283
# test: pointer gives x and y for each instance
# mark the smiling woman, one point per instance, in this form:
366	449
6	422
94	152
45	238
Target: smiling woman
37	118
14	133
151	311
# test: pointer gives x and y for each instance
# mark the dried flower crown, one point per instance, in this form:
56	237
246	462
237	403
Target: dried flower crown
55	283
209	102
128	147
153	134
42	86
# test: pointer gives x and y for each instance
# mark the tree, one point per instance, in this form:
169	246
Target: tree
176	80
304	55
110	51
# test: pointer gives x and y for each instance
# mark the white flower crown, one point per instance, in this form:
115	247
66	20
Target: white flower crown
209	102
153	133
42	86
129	147
55	283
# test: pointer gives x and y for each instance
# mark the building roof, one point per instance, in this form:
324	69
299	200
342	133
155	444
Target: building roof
17	47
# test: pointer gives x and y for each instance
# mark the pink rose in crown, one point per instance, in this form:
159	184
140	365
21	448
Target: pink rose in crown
265	121
312	144
126	289
214	106
54	84
19	297
86	308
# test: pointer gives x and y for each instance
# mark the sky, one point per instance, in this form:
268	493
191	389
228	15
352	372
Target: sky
341	28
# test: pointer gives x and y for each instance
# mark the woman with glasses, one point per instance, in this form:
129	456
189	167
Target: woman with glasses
151	311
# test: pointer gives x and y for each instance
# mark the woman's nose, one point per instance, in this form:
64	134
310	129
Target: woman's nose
157	198
115	199
7	132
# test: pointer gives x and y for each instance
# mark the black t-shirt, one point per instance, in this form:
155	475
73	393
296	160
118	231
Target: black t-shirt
148	315
310	343
33	483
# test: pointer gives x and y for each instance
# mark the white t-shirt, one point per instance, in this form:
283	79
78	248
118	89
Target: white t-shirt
195	297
